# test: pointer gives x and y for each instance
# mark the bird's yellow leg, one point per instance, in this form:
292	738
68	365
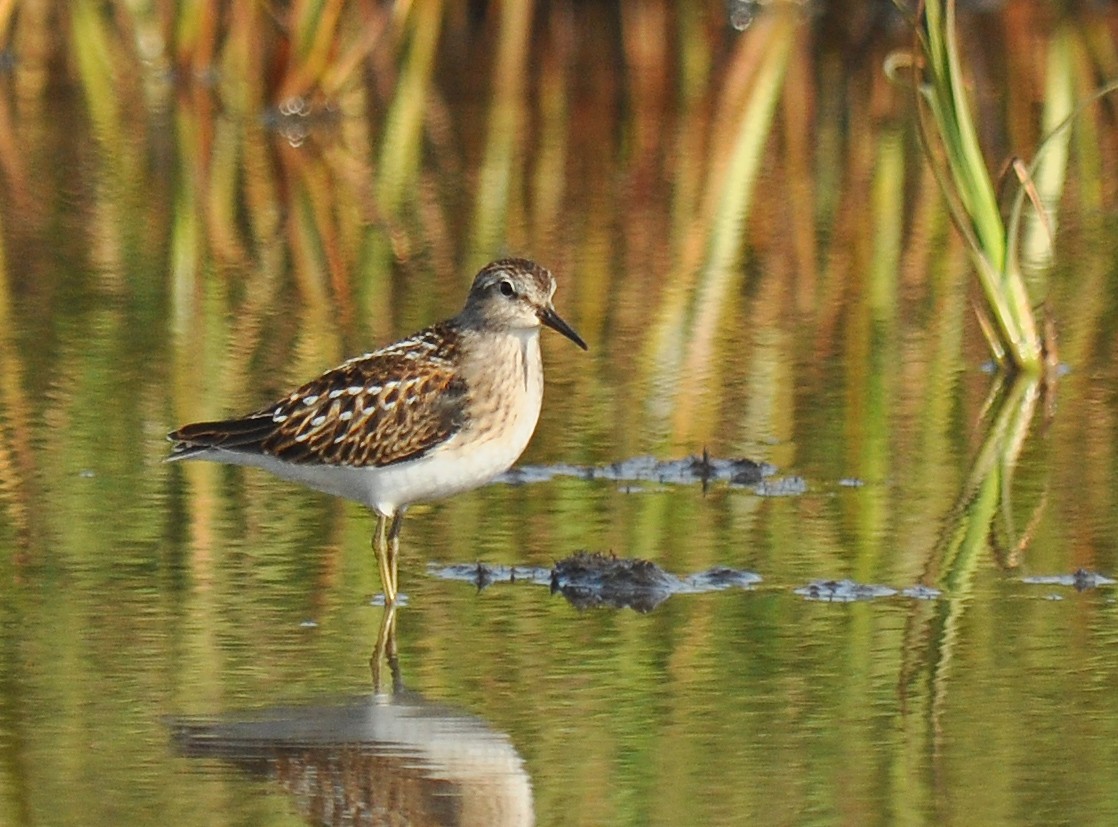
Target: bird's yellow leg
397	524
380	548
394	548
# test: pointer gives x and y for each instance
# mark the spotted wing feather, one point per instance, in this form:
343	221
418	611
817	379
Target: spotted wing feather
385	407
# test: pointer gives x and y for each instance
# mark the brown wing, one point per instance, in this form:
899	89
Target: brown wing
385	407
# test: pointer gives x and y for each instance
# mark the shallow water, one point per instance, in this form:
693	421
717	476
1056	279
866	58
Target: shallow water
190	644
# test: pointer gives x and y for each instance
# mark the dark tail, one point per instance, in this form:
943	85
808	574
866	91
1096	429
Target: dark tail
247	434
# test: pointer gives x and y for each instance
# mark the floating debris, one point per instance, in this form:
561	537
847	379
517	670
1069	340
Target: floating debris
482	575
740	471
720	578
645	469
589	580
843	591
922	592
704	469
592	579
782	487
847	591
1080	579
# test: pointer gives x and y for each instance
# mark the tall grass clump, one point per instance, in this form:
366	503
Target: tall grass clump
960	169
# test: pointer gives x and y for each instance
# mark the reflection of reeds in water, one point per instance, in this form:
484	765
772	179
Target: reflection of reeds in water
701	290
749	184
343	206
16	459
982	520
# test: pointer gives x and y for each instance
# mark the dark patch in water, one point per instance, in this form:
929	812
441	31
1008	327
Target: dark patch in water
593	579
589	580
1080	580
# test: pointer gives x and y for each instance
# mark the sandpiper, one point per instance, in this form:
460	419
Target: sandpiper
437	413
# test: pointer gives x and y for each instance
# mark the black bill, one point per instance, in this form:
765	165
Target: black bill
550	318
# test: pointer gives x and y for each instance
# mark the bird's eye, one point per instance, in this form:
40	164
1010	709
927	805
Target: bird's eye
506	288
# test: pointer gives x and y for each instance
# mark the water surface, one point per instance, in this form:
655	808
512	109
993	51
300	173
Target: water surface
190	644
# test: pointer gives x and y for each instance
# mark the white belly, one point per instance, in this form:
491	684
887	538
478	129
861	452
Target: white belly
456	466
504	416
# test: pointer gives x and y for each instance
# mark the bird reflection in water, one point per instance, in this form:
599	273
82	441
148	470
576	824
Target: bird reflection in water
390	757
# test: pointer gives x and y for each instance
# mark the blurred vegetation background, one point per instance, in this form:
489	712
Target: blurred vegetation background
358	151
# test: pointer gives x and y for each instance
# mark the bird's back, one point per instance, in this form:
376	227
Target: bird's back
375	410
